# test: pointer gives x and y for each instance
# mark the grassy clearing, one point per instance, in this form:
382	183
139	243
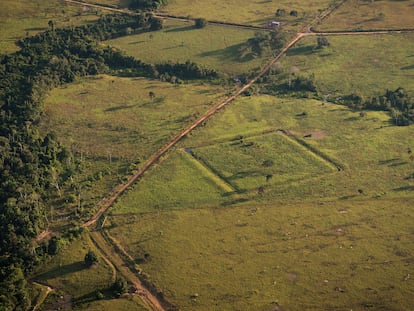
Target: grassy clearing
359	14
373	152
176	183
113	3
117	115
251	162
366	65
382	169
213	46
121	304
22	18
109	122
341	255
67	272
249	12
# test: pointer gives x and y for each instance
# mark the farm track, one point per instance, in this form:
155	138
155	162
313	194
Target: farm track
153	302
109	250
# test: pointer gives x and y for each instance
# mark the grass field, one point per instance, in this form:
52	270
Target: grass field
249	212
359	14
249	12
299	172
176	183
337	256
213	46
366	65
22	18
243	162
67	272
373	153
110	122
121	304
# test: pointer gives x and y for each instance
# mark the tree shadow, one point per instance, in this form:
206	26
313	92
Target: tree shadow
180	29
410	67
231	53
404	188
301	50
122	107
63	270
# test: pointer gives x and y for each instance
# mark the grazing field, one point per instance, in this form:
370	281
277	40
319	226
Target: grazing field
213	46
68	273
274	203
363	15
372	152
22	18
250	162
120	304
111	125
337	256
176	183
249	12
365	65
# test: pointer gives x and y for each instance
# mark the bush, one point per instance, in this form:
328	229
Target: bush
91	258
120	287
200	22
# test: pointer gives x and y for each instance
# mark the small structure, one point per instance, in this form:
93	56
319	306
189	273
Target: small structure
274	24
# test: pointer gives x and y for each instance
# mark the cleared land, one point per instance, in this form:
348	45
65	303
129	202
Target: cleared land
362	15
249	12
348	248
117	123
365	65
213	46
68	272
322	240
19	19
341	255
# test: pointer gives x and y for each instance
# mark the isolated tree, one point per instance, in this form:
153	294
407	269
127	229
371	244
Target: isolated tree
200	23
120	287
280	12
51	24
293	13
322	41
151	94
91	258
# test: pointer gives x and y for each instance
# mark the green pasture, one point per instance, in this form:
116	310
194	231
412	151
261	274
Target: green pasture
251	162
361	64
22	18
363	15
111	125
176	183
121	304
113	3
257	13
373	153
213	46
67	273
337	256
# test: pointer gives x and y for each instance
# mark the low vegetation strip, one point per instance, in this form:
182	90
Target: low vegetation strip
208	172
315	152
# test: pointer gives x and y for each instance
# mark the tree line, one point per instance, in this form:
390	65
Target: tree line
30	163
398	103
